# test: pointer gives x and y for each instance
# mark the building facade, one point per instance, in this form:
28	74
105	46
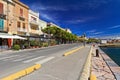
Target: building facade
34	31
21	12
68	30
7	9
42	25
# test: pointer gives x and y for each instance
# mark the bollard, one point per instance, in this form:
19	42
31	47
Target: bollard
97	53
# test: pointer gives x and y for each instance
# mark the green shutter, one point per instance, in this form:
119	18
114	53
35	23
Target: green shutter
1	24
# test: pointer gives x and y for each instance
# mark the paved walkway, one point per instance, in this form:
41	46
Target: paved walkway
61	68
100	68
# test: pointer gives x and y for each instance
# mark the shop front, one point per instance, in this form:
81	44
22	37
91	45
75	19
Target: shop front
6	40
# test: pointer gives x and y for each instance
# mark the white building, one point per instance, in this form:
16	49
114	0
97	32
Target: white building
103	41
34	31
68	30
42	25
52	24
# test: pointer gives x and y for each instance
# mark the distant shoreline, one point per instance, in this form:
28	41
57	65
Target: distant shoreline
109	45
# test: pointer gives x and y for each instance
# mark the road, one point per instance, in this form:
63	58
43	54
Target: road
61	68
13	62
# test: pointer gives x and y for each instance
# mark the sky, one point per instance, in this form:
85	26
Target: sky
95	18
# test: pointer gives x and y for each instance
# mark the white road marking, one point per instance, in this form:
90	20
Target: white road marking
21	59
45	60
8	57
27	61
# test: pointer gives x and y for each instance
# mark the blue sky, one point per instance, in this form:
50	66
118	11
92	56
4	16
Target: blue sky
94	17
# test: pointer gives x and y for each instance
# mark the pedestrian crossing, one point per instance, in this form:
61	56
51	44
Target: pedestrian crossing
27	61
26	58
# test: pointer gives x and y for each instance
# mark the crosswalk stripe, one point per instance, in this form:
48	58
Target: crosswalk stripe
22	58
45	60
8	57
27	61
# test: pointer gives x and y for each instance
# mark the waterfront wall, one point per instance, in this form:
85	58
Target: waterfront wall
115	69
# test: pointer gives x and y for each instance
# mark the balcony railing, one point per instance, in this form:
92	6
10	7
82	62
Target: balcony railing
34	31
1	29
34	22
22	30
2	16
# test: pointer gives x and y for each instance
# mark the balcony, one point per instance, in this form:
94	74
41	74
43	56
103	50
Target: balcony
34	31
22	18
34	22
22	30
2	16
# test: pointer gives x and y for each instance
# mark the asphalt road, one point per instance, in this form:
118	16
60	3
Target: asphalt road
15	61
61	68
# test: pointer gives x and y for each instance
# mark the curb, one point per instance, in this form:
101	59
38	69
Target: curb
93	77
22	73
86	69
72	51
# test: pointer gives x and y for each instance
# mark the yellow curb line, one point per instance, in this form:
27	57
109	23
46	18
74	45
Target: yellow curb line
72	51
86	69
93	77
22	73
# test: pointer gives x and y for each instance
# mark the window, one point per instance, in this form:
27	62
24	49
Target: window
21	12
33	18
18	24
23	25
1	8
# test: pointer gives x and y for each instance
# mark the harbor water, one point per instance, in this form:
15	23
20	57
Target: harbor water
113	53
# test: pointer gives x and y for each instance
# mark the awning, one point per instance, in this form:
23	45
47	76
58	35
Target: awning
5	35
17	37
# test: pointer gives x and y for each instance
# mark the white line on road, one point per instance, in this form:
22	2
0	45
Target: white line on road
45	60
27	61
22	58
8	57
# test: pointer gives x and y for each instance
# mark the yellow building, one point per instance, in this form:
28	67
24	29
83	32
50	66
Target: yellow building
7	15
21	18
7	9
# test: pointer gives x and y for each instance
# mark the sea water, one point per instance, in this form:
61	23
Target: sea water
113	53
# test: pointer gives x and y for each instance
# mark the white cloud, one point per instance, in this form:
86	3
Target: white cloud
91	31
93	4
41	7
75	21
96	33
114	27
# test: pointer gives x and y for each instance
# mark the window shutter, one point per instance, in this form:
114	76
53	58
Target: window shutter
1	8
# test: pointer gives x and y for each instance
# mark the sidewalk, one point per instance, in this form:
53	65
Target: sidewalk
23	50
100	69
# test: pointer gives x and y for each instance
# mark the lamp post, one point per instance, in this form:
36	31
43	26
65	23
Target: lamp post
49	37
84	42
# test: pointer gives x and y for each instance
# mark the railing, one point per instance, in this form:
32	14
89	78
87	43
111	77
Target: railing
22	30
34	31
1	29
34	22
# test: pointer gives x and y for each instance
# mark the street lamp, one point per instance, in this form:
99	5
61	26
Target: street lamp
49	37
84	42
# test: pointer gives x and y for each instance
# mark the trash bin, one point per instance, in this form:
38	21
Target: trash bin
97	53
